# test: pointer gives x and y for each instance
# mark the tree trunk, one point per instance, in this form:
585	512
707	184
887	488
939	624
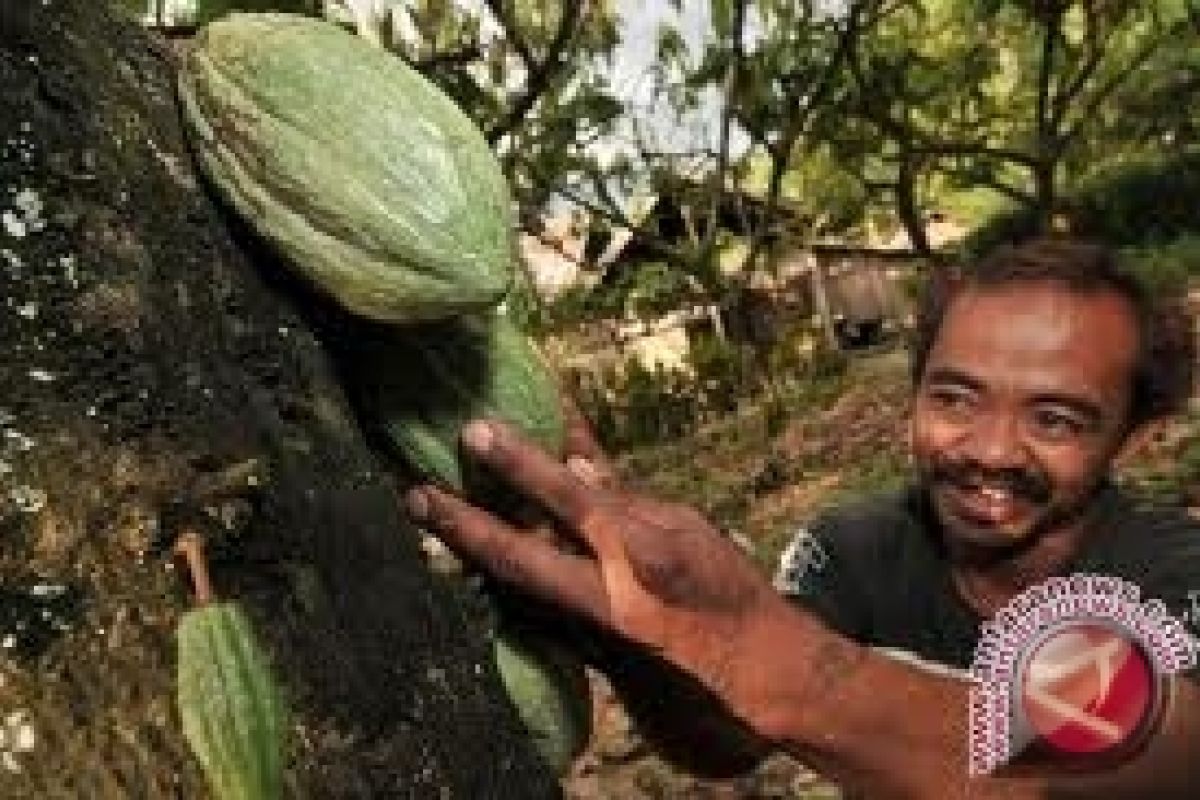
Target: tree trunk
1045	192
908	207
159	373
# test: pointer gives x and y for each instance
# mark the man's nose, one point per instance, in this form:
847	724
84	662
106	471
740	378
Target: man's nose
994	442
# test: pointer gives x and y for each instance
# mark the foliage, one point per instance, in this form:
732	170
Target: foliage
653	288
638	290
1140	200
782	69
1136	202
635	406
582	303
1166	268
1020	97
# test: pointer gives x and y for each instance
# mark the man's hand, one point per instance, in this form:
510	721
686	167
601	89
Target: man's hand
655	574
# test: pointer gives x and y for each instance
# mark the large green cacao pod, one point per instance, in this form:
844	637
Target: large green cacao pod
365	177
549	688
417	387
232	712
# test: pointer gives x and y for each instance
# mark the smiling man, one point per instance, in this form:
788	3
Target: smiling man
1033	373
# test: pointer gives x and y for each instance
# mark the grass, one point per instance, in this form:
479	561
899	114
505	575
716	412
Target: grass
760	472
1169	470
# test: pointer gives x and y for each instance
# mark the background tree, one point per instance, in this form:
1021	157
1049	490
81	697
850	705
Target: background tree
1020	97
768	76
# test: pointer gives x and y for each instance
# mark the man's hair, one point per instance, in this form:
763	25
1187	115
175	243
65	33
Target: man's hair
1162	380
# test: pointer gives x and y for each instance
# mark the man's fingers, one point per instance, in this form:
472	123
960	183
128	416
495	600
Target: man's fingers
527	467
580	441
518	559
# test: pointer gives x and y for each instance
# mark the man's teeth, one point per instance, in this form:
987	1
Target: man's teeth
995	494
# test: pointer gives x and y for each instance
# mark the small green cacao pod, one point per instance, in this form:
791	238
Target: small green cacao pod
363	175
549	688
417	387
232	712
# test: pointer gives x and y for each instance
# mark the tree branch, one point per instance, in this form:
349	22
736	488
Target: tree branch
908	207
672	255
1016	193
945	149
781	152
613	215
511	32
1053	26
450	58
539	74
708	244
1115	82
1062	101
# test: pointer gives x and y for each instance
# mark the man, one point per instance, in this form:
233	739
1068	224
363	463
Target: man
1034	372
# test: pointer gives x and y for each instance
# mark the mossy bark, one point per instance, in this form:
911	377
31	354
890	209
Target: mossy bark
156	376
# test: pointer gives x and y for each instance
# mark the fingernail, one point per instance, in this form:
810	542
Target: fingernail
478	436
418	504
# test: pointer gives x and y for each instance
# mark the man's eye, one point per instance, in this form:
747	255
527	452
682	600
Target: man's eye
1057	423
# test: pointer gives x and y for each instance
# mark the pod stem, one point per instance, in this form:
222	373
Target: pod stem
190	548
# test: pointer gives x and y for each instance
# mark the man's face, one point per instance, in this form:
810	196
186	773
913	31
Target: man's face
1021	408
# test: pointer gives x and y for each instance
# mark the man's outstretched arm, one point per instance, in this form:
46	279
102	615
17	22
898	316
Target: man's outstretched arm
892	729
660	577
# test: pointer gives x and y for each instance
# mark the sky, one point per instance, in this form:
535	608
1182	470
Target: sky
641	21
651	119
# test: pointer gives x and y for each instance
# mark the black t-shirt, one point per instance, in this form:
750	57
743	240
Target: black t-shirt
875	571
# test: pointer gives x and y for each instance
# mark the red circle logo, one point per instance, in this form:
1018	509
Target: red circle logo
1088	689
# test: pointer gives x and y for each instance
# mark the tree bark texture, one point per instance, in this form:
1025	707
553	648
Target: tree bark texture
160	373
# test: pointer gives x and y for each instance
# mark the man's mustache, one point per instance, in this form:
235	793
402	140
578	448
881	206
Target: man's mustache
1025	484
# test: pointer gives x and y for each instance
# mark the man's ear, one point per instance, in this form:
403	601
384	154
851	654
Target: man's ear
1137	441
